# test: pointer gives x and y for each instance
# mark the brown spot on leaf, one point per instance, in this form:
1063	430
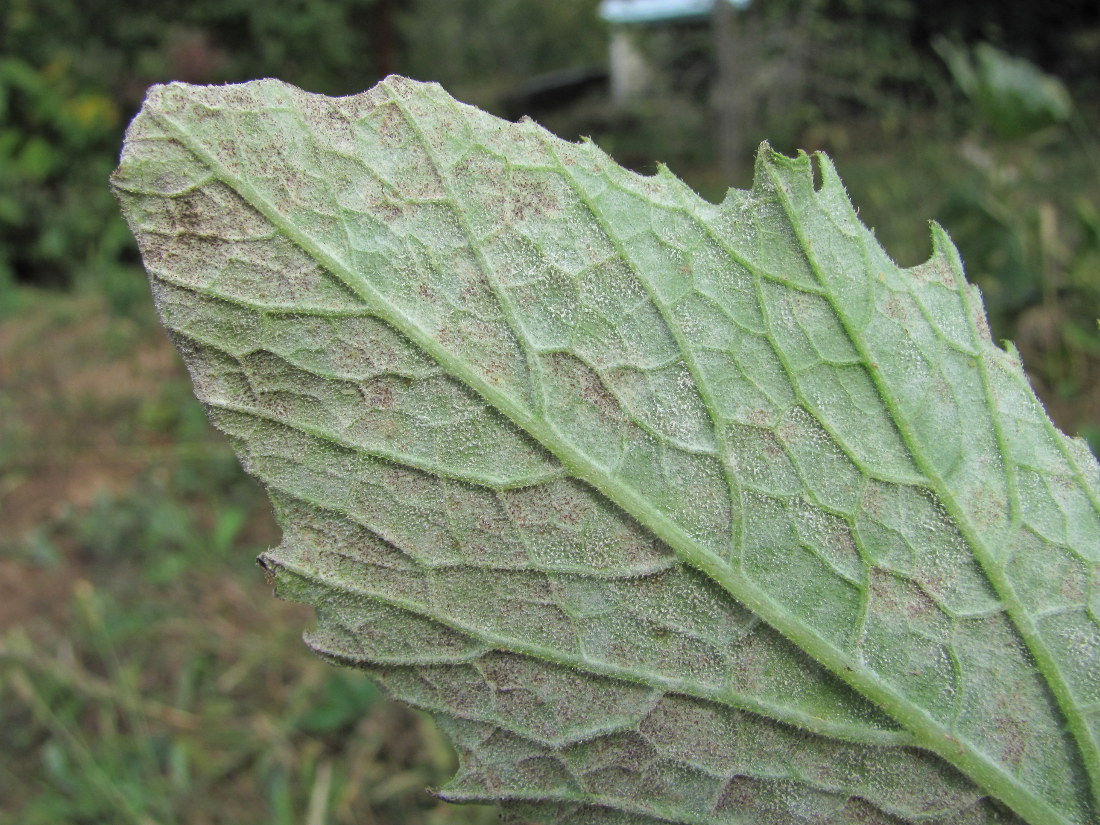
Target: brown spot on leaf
895	308
393	128
742	793
378	394
577	380
534	198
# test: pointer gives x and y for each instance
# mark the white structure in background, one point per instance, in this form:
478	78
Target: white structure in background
630	70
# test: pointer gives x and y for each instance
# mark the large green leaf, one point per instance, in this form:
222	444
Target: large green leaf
670	512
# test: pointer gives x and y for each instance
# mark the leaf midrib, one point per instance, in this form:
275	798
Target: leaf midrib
928	732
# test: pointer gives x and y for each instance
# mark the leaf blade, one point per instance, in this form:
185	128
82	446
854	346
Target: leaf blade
687	476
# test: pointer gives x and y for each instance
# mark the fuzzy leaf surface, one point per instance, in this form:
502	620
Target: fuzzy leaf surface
669	511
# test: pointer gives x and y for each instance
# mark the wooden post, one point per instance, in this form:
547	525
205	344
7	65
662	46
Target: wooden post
630	72
383	37
725	90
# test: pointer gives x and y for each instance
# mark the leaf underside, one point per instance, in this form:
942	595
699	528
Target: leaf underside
668	511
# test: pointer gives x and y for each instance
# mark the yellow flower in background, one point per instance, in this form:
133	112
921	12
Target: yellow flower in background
92	110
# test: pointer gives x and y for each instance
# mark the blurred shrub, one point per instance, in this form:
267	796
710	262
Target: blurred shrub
1013	97
1035	253
55	213
73	73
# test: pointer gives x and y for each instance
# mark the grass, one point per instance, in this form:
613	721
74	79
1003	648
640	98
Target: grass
146	674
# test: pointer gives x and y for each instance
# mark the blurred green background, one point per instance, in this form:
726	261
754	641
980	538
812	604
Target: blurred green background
146	676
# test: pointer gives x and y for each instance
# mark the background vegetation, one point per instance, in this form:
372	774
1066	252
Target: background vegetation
145	674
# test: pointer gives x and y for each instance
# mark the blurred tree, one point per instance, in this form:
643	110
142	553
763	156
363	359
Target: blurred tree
481	49
74	72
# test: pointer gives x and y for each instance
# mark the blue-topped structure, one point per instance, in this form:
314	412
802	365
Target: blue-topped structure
631	69
659	11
